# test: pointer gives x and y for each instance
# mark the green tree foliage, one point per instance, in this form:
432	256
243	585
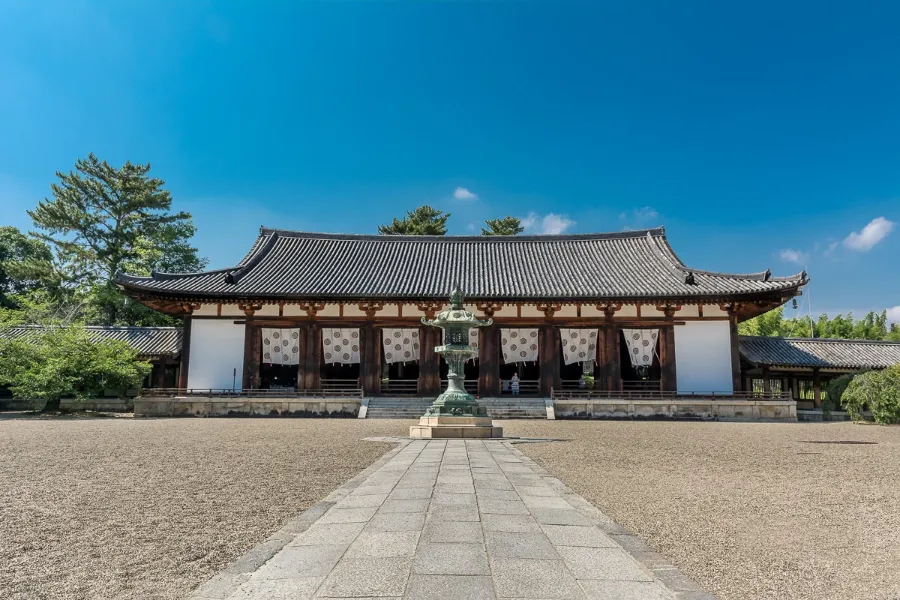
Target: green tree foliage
879	391
873	326
103	219
64	362
834	390
504	226
424	220
25	266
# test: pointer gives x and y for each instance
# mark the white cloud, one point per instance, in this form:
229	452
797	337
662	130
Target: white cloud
893	314
639	217
646	213
863	241
792	256
549	224
462	193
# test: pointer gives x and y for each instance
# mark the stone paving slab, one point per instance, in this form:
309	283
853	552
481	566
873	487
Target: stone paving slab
452	519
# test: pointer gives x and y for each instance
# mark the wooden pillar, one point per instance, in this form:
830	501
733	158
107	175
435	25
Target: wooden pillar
158	374
370	357
302	350
767	382
252	351
668	372
312	365
185	352
429	362
601	366
817	389
735	350
613	357
549	348
489	362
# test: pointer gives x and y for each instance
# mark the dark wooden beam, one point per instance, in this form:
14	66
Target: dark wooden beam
489	362
312	366
613	365
250	371
370	360
737	380
817	388
158	379
600	370
303	350
185	352
549	359
668	363
429	362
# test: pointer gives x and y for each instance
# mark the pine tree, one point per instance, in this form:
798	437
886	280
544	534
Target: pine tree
504	226
103	219
424	220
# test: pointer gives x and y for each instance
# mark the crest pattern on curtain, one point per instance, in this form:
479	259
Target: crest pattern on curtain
400	345
519	345
281	346
579	345
340	346
641	345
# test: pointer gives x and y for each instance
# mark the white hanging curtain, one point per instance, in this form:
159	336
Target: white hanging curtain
519	345
400	345
340	346
641	345
281	346
579	345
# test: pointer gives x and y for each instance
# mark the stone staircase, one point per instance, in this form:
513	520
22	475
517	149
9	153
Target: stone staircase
498	408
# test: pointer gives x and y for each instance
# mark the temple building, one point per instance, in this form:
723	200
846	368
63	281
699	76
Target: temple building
615	312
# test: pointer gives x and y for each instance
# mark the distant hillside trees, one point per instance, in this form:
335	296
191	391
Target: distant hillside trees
873	326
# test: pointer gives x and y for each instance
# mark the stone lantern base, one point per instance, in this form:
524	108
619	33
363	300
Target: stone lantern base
448	426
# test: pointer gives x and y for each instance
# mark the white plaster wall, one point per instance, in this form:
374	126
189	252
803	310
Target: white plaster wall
217	347
703	357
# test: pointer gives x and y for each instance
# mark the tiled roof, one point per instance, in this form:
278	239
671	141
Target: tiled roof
287	264
819	352
148	341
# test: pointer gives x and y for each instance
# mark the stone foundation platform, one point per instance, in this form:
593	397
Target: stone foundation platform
693	409
449	427
211	406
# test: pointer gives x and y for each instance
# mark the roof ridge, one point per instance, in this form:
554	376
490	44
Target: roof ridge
758	276
104	327
828	340
235	276
656	231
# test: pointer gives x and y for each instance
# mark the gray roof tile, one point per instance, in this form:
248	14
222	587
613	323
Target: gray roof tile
819	352
148	341
287	264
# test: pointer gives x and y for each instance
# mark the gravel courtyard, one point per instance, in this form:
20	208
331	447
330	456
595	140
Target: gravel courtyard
749	510
125	508
131	508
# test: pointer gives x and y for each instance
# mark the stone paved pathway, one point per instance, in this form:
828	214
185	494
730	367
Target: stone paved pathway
453	519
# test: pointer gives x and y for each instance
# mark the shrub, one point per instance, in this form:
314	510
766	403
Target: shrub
64	362
835	390
879	391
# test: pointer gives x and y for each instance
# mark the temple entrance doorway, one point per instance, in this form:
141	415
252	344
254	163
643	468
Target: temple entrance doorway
639	356
529	374
277	377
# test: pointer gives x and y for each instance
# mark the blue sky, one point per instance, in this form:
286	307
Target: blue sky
761	135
